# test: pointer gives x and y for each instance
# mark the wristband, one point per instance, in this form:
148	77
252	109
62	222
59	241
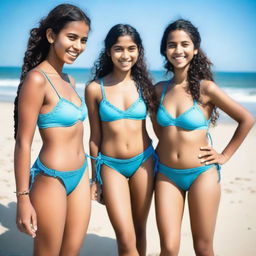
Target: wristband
22	193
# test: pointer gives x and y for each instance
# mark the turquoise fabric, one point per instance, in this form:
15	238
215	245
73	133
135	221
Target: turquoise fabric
64	114
108	112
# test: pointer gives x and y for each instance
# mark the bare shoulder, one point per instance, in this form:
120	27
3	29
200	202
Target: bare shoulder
159	88
34	79
208	87
93	88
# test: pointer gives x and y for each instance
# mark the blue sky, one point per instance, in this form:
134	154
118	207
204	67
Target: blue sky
227	27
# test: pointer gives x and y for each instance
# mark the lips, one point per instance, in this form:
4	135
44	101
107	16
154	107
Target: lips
125	63
179	57
73	54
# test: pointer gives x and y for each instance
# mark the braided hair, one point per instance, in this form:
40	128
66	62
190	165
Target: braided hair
38	45
200	65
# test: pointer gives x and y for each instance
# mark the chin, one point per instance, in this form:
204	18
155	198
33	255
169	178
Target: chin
69	61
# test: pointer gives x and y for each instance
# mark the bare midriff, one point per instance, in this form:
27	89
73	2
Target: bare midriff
124	138
180	148
63	148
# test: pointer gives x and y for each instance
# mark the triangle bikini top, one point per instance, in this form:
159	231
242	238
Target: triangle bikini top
65	113
108	112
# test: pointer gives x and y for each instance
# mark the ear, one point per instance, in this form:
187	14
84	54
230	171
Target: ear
195	51
50	35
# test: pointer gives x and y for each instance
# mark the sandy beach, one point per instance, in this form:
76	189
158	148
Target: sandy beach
236	224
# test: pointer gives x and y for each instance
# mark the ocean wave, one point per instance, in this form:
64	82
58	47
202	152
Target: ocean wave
9	82
241	95
9	87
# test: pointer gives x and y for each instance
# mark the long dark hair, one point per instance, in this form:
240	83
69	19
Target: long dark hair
104	65
200	65
38	45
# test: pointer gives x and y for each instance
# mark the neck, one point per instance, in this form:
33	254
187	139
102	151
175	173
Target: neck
55	63
121	76
180	75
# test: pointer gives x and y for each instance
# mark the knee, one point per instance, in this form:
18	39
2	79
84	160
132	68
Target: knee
126	242
70	251
203	248
170	248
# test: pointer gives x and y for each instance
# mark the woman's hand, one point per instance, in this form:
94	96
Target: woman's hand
26	216
96	193
210	156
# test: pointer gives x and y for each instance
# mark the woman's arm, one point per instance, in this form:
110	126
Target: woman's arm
245	120
158	91
92	97
30	101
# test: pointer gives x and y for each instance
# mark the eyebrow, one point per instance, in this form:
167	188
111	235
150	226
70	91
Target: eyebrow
173	42
117	45
76	35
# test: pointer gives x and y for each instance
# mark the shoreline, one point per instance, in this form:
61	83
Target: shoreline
236	218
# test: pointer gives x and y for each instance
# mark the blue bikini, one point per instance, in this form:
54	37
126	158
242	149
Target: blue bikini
110	113
64	114
192	119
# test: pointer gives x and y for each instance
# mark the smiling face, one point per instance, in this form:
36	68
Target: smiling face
180	49
70	42
124	53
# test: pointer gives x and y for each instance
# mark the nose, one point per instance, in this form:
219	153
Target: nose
78	45
178	49
125	54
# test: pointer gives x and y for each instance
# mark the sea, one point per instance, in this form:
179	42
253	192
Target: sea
241	86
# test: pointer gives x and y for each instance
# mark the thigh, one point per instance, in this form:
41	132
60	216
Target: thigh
169	203
203	199
77	219
48	197
116	194
141	190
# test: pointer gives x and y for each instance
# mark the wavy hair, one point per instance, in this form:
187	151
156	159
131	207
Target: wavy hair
104	65
200	65
38	45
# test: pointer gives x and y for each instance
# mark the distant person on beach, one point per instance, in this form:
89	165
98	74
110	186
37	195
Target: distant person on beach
118	99
187	163
53	197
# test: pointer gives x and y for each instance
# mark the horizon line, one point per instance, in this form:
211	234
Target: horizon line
161	70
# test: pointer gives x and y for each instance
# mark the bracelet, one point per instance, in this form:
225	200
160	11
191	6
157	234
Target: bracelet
22	193
92	181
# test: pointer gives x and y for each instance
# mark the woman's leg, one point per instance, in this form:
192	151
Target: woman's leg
117	199
169	202
77	218
141	190
203	199
48	197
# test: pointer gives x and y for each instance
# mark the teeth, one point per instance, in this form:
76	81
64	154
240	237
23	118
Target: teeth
179	58
125	62
73	54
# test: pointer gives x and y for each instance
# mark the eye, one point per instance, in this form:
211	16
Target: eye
117	49
72	38
132	48
84	40
171	45
186	44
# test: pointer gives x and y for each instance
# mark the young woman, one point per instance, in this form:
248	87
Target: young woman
49	196
118	99
187	163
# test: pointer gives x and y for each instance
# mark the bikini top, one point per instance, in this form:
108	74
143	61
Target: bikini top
191	119
109	112
64	114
